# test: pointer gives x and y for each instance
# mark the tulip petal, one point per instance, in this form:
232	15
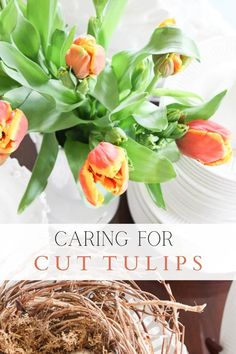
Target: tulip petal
78	59
3	158
203	146
106	164
15	132
85	40
86	57
106	159
210	126
119	183
89	187
168	22
226	158
177	63
98	60
5	113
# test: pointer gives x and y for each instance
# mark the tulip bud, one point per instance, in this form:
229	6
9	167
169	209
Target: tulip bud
86	57
169	22
108	165
66	78
141	75
116	136
162	65
206	141
167	65
171	63
13	128
174	115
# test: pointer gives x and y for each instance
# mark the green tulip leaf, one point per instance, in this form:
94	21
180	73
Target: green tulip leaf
66	45
106	89
29	48
26	70
42	14
8	20
184	97
6	82
54	50
203	111
128	106
42	169
17	96
170	151
43	116
156	195
148	166
163	40
109	20
151	117
76	153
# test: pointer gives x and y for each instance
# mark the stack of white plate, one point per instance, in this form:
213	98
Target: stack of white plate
199	194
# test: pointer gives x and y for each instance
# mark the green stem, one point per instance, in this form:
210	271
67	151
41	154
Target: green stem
153	83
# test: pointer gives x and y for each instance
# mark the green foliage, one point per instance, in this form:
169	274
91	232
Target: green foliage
76	153
148	166
114	106
151	117
26	37
202	111
163	40
8	19
42	169
109	13
43	14
156	195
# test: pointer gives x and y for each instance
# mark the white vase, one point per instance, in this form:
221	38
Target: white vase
13	181
64	198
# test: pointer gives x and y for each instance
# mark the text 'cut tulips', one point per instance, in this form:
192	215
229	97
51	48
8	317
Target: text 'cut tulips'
85	57
106	164
13	127
206	141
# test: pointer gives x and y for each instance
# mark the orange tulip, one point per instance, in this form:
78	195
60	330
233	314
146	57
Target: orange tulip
168	22
86	57
171	63
13	128
207	142
106	164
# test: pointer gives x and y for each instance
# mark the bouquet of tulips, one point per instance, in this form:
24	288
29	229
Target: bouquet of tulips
100	110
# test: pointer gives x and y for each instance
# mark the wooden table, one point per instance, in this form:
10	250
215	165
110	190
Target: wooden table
214	293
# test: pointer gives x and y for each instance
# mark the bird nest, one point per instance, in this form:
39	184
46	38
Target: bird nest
100	317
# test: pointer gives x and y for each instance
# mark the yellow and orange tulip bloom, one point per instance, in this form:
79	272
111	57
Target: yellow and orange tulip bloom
108	165
206	141
168	22
172	63
13	128
86	57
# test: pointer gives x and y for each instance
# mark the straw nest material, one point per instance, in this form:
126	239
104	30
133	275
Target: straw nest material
101	317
